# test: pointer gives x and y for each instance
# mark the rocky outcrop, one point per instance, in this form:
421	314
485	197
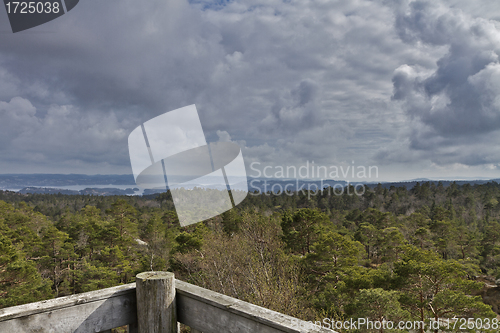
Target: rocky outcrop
490	292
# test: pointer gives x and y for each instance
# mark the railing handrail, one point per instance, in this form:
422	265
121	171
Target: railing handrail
64	302
101	310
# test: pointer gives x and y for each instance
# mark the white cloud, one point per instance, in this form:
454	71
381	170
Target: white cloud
224	136
454	108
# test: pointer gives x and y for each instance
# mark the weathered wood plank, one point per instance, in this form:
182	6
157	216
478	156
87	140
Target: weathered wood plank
198	308
95	311
211	312
156	310
132	328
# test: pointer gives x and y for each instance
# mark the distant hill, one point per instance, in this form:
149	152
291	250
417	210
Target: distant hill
86	191
19	181
446	183
59	183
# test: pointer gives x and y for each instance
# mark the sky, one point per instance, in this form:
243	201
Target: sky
411	87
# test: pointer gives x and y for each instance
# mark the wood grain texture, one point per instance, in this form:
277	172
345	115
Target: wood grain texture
211	312
156	308
95	311
101	310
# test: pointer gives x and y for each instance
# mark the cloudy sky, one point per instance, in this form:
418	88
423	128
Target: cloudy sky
410	87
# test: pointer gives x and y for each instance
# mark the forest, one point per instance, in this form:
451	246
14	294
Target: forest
390	254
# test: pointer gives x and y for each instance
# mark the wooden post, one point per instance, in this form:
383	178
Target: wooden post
132	328
156	311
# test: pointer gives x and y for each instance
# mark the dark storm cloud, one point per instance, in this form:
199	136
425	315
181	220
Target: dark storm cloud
289	81
71	90
117	54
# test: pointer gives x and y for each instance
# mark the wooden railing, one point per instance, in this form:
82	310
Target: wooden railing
100	311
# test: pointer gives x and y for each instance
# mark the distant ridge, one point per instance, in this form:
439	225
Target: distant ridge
86	191
39	180
410	184
40	183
